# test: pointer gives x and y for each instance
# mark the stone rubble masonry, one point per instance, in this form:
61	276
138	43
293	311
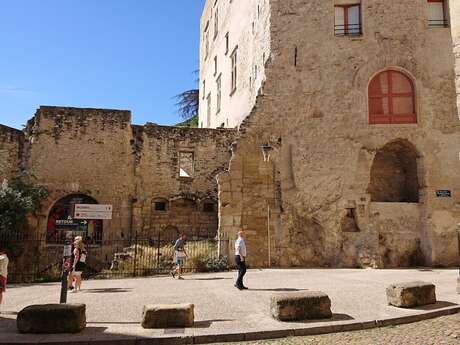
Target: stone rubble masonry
412	294
52	319
11	141
99	153
311	203
168	316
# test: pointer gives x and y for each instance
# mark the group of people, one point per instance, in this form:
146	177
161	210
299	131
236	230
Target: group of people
79	255
180	256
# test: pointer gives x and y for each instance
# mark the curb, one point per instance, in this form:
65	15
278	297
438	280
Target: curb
251	336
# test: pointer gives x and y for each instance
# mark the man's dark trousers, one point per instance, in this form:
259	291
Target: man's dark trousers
241	270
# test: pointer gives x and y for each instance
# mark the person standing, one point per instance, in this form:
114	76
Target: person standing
79	262
180	256
240	260
3	273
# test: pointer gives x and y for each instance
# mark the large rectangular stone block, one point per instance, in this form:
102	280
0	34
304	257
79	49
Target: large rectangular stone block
411	294
52	318
168	316
298	306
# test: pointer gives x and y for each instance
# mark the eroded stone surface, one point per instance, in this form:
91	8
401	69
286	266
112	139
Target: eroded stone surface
412	294
298	306
168	316
52	318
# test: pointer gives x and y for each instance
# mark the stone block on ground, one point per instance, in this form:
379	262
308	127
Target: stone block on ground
458	285
52	318
168	316
412	294
298	306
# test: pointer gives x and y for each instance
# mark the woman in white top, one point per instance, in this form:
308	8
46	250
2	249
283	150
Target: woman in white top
3	273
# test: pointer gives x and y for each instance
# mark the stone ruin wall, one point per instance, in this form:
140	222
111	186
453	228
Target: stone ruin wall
11	142
157	174
310	205
98	153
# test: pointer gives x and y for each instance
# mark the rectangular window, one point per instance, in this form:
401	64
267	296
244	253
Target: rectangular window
437	14
208	115
226	43
160	206
204	89
216	23
234	74
219	93
206	41
186	164
215	65
348	20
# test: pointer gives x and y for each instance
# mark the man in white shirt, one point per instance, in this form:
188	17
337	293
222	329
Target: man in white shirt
3	273
240	260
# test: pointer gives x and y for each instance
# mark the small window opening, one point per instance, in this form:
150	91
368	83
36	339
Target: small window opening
186	164
208	207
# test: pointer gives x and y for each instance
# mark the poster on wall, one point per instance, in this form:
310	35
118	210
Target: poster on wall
61	221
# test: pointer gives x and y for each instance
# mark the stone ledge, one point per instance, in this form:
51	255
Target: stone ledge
411	294
298	306
52	319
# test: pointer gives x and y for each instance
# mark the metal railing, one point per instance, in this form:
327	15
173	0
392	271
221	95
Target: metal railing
34	259
438	23
348	30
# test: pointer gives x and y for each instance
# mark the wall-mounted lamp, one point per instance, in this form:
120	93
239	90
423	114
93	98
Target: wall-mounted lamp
266	150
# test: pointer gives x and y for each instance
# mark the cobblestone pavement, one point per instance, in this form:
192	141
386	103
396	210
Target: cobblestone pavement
441	331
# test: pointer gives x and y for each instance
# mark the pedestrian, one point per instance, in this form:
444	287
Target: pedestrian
79	262
3	273
240	260
180	256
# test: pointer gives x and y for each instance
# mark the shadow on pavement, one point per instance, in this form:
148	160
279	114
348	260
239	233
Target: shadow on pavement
437	305
107	290
335	317
208	323
114	323
7	324
278	289
216	278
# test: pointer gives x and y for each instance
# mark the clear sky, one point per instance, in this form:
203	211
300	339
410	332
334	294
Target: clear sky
121	54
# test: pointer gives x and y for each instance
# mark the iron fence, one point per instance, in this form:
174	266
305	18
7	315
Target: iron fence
34	259
348	30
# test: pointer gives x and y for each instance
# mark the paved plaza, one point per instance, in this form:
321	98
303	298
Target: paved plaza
114	306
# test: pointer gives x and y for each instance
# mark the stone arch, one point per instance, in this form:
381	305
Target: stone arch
394	173
170	233
61	220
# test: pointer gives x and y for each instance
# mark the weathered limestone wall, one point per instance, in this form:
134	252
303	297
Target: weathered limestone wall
11	141
454	7
247	24
158	178
313	113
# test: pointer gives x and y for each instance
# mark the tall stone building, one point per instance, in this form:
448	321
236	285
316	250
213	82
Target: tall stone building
347	152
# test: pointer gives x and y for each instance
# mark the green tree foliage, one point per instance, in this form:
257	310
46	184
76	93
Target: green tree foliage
188	103
18	197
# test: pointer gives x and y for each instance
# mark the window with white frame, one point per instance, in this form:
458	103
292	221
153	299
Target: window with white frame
348	20
437	14
234	74
219	93
208	114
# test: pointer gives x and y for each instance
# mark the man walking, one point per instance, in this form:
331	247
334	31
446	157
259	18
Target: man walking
240	260
180	255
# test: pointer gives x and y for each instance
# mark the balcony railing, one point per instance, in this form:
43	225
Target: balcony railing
349	30
438	23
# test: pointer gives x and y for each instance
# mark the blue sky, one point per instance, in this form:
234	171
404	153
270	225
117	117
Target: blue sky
121	54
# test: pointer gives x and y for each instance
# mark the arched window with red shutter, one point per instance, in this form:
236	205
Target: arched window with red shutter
392	99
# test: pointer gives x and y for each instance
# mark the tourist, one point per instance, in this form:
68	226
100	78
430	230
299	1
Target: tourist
79	262
240	260
3	273
180	256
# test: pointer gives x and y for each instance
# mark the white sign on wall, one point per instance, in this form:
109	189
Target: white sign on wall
90	211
